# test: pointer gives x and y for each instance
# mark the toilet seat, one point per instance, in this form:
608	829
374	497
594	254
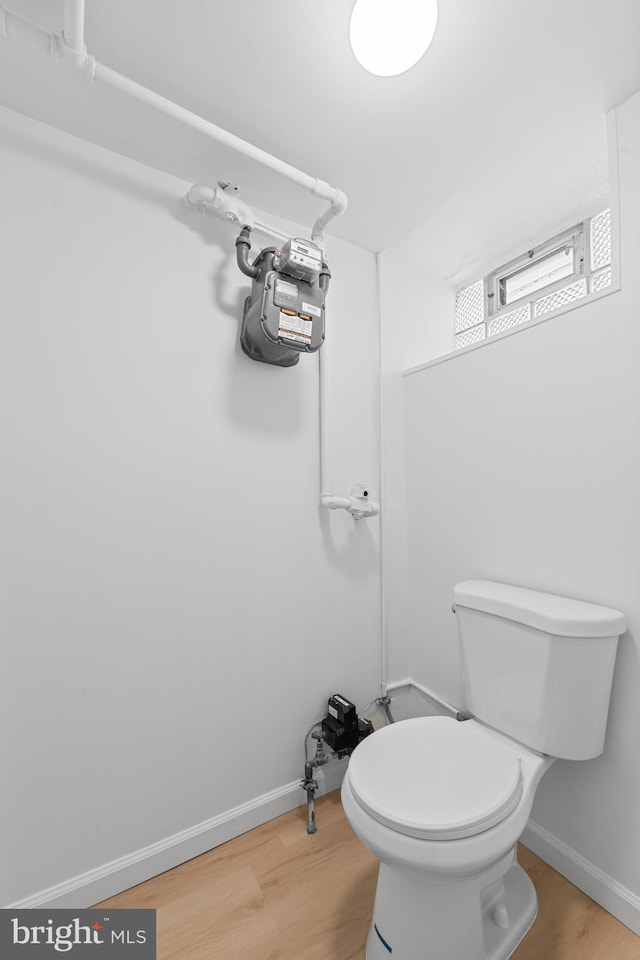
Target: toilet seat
434	778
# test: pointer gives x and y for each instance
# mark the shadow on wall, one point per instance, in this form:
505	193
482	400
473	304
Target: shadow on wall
348	543
261	396
269	398
82	166
226	298
272	400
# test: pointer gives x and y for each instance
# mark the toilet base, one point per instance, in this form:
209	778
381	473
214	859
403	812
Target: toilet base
482	918
521	903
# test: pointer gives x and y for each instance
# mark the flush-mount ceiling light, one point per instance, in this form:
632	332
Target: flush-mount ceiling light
389	36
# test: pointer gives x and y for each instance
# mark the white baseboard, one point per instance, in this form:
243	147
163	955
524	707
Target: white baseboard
112	878
611	895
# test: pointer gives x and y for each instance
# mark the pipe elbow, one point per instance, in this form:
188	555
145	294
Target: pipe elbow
336	197
76	55
339	203
334	503
358	507
243	246
200	196
73	50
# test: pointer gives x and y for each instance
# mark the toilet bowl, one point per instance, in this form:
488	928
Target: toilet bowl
441	802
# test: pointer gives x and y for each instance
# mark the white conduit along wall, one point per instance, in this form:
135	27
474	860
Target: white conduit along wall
70	47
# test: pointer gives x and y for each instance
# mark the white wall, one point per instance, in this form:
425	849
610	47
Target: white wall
523	466
177	609
412	307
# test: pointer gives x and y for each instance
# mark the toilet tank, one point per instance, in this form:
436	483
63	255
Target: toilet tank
536	666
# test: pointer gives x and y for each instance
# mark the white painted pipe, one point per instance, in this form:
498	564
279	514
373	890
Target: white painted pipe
14	28
358	505
222	203
73	48
408	682
337	199
269	231
381	484
207	199
73	33
135	90
323	406
335	503
337	208
200	197
57	48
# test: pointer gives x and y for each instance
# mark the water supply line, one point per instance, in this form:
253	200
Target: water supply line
385	703
322	756
71	48
456	712
309	784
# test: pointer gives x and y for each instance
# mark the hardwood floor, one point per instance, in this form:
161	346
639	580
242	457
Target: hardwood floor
277	894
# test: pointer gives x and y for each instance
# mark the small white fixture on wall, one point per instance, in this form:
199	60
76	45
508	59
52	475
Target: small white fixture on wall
388	37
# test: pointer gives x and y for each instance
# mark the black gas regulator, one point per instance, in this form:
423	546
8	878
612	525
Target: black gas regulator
341	730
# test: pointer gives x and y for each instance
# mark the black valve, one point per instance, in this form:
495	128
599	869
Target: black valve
342	729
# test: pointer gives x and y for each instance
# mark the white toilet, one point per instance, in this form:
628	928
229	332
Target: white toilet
442	803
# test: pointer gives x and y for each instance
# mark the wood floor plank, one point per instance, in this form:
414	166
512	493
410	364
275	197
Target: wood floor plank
233	900
276	893
570	926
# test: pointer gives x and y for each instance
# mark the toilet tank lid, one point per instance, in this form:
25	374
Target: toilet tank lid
547	612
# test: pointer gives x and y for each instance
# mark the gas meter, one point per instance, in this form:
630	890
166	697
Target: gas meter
284	314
